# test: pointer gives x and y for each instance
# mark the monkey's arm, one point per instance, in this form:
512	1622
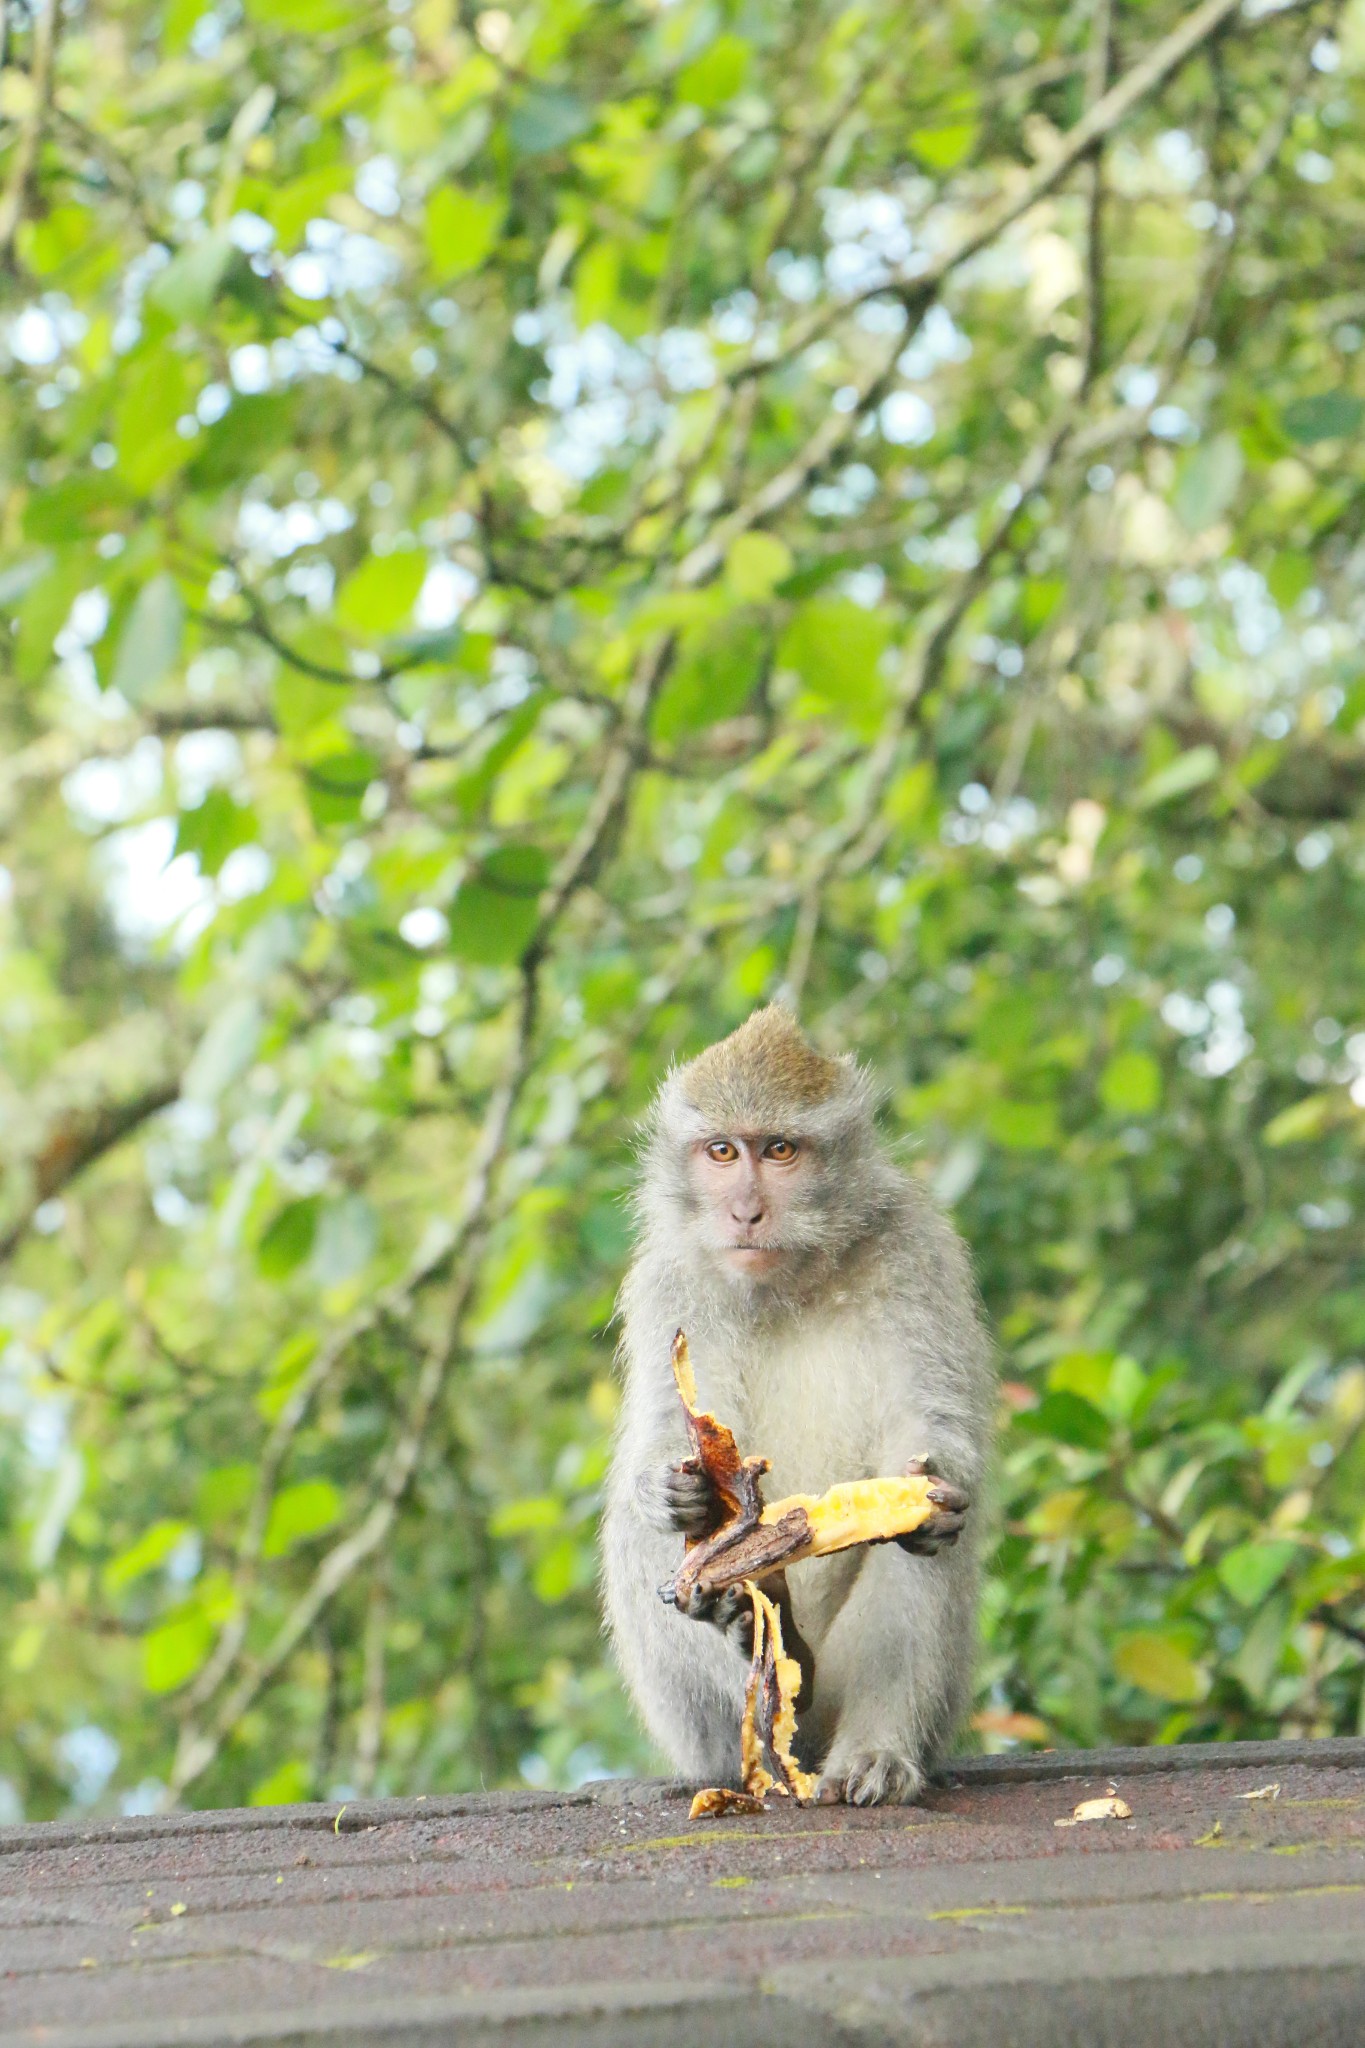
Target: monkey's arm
688	1682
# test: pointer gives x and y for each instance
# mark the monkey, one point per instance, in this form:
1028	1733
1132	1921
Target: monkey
835	1325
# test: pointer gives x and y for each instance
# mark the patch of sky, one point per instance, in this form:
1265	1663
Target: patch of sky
88	1756
273	533
377	186
1137	385
1181	158
853	488
685	360
906	419
104	792
153	893
1255	616
732	321
1172	423
937	340
447	588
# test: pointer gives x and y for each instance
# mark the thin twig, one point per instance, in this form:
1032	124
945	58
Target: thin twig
1098	62
15	198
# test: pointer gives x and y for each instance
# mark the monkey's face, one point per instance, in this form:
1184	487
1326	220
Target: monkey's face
750	1189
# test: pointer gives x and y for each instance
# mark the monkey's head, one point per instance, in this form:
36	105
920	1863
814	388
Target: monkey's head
763	1161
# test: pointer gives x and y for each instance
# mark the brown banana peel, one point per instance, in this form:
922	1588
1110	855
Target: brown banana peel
752	1541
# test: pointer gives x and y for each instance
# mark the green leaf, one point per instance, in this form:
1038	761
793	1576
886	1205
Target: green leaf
1208	482
461	229
1023	1126
835	646
77	507
173	1653
1068	1419
288	1785
1326	416
188	286
214	829
154	394
717	75
1302	1120
300	1513
557	1572
44	608
943	149
149	645
496	909
1161	1664
1130	1084
1252	1569
1188	771
543	119
521	1517
1289	575
715	676
289	1238
337	783
152	1549
289	207
347	1233
378	598
755	565
225	1051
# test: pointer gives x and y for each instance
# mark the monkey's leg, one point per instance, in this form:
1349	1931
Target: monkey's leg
686	1677
894	1672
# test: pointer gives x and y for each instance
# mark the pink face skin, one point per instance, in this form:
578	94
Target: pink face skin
745	1182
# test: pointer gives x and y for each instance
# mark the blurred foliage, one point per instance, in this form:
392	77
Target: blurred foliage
533	531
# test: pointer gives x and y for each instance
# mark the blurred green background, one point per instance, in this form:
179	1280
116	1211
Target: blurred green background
530	533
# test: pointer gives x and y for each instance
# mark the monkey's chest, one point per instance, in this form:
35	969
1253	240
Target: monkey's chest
810	1448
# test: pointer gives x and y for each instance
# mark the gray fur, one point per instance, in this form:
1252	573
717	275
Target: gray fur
869	1352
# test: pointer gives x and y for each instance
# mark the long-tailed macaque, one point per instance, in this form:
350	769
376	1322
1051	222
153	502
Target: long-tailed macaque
834	1325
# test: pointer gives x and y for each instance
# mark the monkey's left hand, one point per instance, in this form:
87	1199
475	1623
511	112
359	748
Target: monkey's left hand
945	1524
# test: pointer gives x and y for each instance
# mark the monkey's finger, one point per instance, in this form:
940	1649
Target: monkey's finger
690	1502
945	1495
934	1535
720	1608
741	1632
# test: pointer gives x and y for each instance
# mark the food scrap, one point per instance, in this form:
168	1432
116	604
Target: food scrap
719	1799
1112	1808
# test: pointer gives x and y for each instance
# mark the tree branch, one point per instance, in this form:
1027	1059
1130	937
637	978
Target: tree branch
15	198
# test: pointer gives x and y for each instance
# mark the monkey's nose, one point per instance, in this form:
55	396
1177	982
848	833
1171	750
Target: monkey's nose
748	1213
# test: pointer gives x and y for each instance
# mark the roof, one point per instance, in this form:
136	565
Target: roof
1230	1908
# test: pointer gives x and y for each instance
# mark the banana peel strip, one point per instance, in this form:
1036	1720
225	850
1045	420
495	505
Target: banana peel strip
752	1541
769	1725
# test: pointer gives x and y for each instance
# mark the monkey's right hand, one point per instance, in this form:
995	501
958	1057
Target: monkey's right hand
679	1500
732	1612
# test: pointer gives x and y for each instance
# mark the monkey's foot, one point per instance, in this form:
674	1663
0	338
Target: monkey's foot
871	1778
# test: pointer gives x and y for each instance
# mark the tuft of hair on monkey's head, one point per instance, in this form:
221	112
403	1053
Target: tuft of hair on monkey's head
761	1076
767	1080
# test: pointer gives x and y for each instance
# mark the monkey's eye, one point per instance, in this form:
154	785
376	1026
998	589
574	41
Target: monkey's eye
781	1150
722	1151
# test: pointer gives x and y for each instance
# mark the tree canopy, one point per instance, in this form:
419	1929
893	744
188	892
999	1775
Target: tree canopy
533	531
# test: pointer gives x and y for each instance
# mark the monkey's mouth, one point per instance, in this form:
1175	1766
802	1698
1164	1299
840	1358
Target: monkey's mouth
752	1258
